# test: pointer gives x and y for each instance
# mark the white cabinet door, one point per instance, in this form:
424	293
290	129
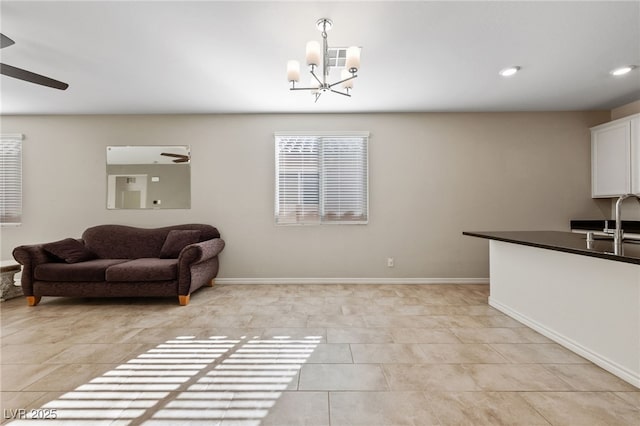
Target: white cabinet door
635	155
611	159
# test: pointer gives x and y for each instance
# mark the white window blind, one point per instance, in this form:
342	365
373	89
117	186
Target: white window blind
322	179
10	179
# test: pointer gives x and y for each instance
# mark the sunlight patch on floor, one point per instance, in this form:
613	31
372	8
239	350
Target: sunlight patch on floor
195	381
244	386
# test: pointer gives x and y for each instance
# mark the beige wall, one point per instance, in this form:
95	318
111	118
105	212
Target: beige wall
432	175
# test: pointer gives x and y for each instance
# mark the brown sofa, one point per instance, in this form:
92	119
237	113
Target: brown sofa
122	261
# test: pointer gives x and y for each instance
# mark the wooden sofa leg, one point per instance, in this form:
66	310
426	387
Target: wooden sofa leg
212	282
184	300
33	300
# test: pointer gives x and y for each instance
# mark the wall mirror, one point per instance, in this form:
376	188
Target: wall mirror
149	177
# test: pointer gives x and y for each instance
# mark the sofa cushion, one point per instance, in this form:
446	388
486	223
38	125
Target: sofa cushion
69	250
127	242
91	270
176	240
146	269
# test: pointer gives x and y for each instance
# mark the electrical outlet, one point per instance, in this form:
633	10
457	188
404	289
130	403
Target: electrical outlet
390	262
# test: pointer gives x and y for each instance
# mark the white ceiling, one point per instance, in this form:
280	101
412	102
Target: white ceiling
230	57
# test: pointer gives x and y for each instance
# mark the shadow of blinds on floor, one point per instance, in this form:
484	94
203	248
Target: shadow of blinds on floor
199	381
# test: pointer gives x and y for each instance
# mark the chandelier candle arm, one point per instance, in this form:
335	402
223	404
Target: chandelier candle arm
347	80
315	55
320	82
341	93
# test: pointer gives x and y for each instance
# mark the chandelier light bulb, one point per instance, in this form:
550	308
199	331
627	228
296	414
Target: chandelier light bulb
293	71
353	59
314	53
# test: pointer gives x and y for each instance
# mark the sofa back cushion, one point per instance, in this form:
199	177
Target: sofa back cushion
128	242
69	250
176	240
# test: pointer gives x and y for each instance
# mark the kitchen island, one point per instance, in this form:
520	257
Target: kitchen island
575	292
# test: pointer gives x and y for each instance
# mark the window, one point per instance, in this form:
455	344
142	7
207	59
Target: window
322	178
10	179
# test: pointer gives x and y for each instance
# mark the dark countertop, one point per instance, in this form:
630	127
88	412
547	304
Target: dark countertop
568	242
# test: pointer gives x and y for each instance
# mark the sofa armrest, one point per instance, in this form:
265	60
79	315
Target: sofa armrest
197	264
30	256
198	252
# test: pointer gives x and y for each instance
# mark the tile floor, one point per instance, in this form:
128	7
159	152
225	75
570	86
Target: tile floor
297	355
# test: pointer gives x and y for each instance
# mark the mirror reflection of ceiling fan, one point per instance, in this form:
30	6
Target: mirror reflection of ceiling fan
21	74
179	158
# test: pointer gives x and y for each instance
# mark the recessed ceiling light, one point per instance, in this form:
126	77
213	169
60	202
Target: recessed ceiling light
623	70
509	71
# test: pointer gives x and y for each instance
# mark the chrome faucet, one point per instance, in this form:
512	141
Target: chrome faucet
618	233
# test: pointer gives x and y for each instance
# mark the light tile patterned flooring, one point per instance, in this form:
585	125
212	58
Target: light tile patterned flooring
298	355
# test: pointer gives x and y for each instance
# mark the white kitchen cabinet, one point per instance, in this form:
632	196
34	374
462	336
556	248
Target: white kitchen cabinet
615	158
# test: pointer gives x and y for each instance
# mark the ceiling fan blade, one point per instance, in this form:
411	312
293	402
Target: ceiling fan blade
31	77
5	41
168	154
179	158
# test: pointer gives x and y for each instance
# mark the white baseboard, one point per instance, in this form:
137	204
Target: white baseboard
592	356
429	281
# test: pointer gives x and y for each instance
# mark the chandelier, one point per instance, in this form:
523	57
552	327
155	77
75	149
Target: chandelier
329	58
